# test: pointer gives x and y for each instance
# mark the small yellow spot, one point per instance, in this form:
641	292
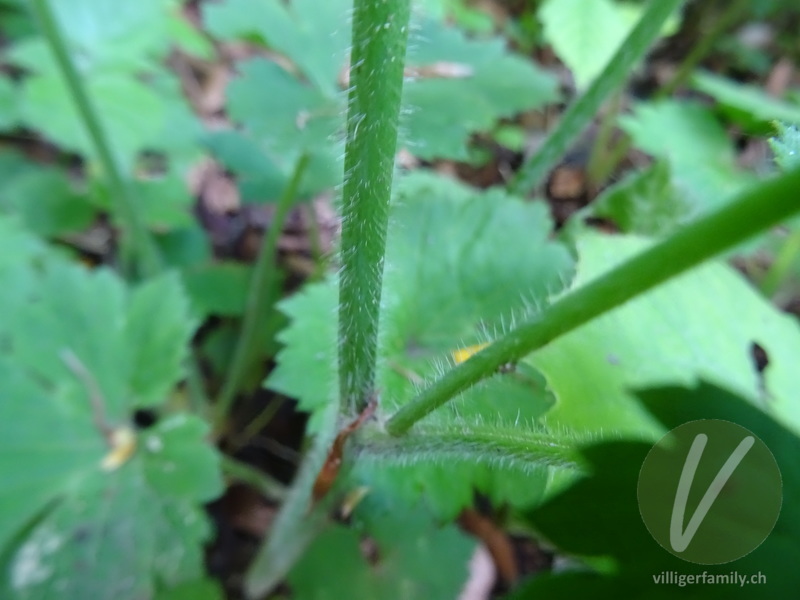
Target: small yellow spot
123	445
352	500
463	354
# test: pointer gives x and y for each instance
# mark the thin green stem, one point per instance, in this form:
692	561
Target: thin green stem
199	402
262	482
257	424
732	13
260	297
380	33
614	156
315	243
142	250
782	265
580	114
140	254
753	211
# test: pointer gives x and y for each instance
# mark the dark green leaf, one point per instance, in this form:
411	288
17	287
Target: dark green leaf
46	200
610	525
416	559
218	289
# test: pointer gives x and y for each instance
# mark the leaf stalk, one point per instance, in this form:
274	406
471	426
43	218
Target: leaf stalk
756	209
380	33
261	295
142	251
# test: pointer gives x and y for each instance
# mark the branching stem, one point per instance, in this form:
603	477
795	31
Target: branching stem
753	211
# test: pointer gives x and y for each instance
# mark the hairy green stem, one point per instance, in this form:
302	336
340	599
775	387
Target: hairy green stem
578	116
501	445
753	211
142	250
263	287
380	33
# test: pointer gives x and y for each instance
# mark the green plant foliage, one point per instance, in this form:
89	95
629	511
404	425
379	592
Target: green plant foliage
416	558
746	104
43	198
218	288
299	117
12	165
9	105
189	39
258	177
131	112
644	203
299	519
423	322
163	201
786	146
315	36
701	325
585	35
186	247
469	18
80	354
699	152
306	367
433	307
115	47
13	20
202	589
282	118
509	462
783	245
479	79
100	503
632	12
619	534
